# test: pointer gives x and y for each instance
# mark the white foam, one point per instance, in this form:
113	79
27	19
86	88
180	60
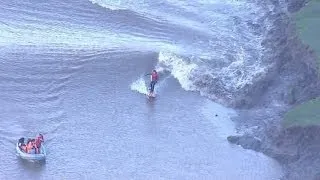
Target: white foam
239	73
179	68
139	86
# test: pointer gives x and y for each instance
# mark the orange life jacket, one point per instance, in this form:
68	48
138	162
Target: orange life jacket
29	147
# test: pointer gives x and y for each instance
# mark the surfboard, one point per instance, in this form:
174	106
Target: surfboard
148	96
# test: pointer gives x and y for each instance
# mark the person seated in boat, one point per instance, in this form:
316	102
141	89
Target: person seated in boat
23	148
33	143
29	146
38	142
30	149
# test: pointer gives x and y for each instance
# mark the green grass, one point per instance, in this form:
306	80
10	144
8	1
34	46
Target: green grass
308	25
306	114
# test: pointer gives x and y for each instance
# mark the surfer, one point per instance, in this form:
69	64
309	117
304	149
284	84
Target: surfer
154	79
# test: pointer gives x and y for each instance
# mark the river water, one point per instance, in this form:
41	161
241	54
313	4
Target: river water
74	71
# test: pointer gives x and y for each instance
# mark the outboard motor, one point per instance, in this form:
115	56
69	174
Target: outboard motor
21	141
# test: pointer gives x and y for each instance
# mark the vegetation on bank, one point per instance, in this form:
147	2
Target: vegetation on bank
306	114
308	25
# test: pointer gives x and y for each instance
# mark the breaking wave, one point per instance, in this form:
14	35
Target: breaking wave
213	47
226	59
224	81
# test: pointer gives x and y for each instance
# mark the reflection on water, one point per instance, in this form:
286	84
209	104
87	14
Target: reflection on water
34	166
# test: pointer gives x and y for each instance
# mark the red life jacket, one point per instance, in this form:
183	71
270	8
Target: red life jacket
154	76
38	142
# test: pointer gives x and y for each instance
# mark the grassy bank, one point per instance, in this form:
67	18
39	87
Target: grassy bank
308	25
306	114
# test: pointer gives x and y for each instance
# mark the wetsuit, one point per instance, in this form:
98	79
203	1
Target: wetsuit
154	79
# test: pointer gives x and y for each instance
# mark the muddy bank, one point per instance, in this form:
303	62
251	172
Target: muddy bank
290	75
292	79
297	148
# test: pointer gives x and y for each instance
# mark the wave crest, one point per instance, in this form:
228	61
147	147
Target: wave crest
225	81
179	68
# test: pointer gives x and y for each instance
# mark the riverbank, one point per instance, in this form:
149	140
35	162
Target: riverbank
283	123
308	25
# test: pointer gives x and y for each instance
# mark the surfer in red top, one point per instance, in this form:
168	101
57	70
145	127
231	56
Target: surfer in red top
154	80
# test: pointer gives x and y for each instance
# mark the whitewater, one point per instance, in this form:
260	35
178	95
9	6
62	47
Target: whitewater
75	71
